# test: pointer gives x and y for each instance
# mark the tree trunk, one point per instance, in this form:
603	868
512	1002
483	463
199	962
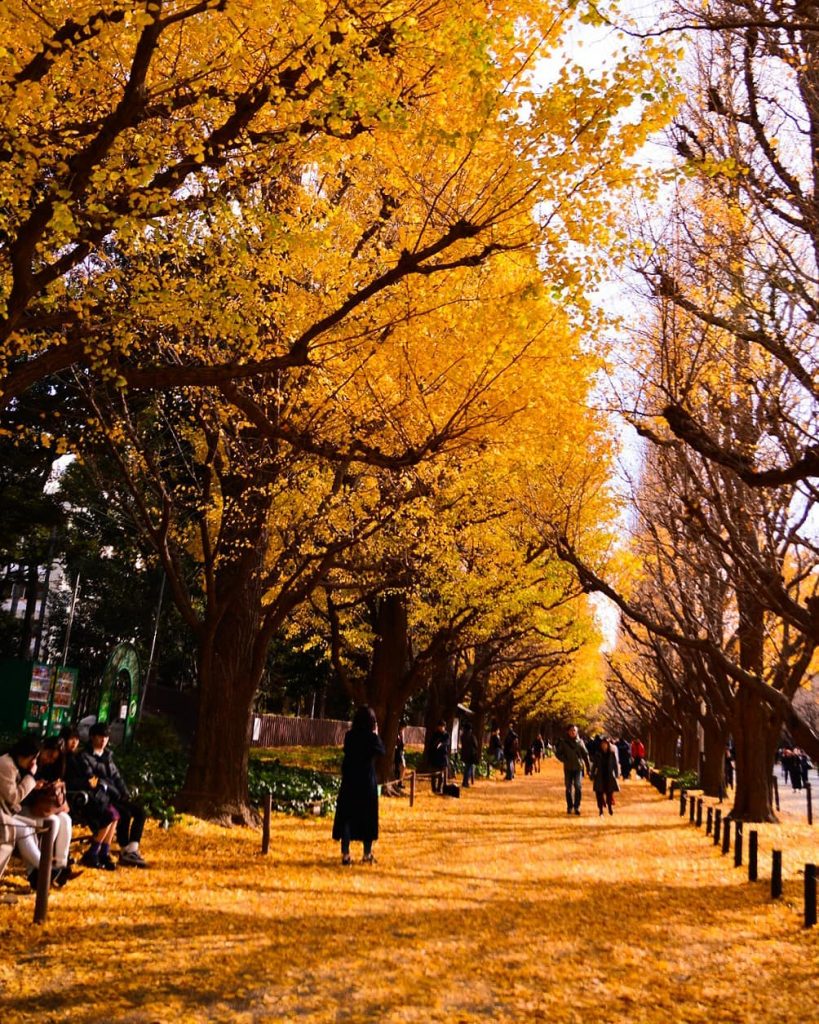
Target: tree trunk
755	726
756	729
690	754
712	776
231	664
387	680
663	746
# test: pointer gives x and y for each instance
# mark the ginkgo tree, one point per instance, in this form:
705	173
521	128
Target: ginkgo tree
269	246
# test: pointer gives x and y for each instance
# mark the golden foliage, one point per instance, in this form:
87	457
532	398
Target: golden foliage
493	907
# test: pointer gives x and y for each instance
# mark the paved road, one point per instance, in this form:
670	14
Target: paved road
793	802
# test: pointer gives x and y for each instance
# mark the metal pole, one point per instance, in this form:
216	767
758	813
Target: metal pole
70	622
268	806
709	821
738	846
726	836
412	789
699	813
808	793
52	542
153	648
717	824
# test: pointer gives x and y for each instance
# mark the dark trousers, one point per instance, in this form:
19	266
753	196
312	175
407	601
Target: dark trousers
346	840
131	822
605	798
574	788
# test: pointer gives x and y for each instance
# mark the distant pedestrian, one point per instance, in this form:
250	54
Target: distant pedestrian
511	752
729	767
571	751
624	757
469	754
357	806
604	775
496	748
399	760
638	751
538	748
439	756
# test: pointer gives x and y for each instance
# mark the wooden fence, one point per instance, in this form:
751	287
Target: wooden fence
283	731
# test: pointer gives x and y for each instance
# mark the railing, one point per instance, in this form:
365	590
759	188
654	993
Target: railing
283	731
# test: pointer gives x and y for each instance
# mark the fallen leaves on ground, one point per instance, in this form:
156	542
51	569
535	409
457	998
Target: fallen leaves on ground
494	907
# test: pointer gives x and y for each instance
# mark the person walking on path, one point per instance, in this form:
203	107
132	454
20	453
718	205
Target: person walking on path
511	752
604	775
624	757
469	754
571	752
496	749
439	757
357	806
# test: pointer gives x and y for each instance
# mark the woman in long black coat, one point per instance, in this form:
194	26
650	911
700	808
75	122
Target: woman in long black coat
357	807
604	775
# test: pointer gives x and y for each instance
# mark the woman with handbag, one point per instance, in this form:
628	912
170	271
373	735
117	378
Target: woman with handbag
47	800
18	769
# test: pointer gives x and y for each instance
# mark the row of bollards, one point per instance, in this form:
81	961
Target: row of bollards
720	831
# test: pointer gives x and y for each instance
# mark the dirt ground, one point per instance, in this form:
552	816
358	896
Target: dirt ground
494	907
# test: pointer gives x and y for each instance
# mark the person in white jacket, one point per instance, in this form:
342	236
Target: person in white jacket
18	770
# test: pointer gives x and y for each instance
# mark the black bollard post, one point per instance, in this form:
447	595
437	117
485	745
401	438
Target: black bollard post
683	797
44	871
699	813
753	856
810	895
776	874
412	789
709	820
692	806
717	823
775	783
267	808
808	793
738	845
726	836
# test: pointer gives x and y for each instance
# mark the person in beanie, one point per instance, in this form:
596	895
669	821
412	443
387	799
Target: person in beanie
129	827
571	751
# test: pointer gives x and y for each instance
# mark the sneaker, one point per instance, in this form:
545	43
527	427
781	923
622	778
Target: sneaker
577	810
346	860
90	860
64	875
132	859
107	864
611	810
33	875
368	859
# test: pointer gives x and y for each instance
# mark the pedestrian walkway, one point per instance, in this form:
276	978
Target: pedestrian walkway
495	907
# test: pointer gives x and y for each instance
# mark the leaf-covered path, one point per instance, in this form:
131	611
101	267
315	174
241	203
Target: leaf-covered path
495	907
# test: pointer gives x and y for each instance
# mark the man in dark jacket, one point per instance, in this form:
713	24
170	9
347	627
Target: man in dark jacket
511	750
571	751
131	822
